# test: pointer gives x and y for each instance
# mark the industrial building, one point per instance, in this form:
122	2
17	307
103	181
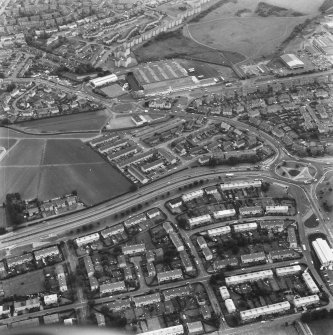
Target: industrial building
292	61
324	44
248	277
265	310
323	252
306	301
288	270
100	81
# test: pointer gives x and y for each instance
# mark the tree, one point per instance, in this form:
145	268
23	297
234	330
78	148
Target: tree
133	188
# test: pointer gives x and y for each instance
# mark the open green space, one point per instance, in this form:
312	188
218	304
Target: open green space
51	168
325	193
7	143
322	327
25	284
73	122
69	152
311	222
248	36
174	44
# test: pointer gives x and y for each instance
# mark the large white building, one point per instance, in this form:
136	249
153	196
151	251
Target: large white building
192	195
238	185
265	310
277	209
310	283
174	330
224	214
100	81
323	252
292	61
80	241
305	301
288	270
248	277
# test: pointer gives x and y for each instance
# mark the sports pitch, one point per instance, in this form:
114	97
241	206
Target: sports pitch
74	122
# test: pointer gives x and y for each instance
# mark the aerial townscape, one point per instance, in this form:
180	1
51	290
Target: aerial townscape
166	166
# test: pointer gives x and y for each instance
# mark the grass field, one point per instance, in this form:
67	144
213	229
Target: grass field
28	283
249	36
113	91
231	8
50	168
74	122
322	327
7	143
175	45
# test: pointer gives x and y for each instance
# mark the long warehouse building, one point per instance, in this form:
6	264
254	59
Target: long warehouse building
323	252
97	82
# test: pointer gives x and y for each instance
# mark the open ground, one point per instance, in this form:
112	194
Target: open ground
28	283
74	122
175	45
232	7
250	36
322	327
51	168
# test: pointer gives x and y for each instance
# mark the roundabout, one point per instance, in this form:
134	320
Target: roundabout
296	171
